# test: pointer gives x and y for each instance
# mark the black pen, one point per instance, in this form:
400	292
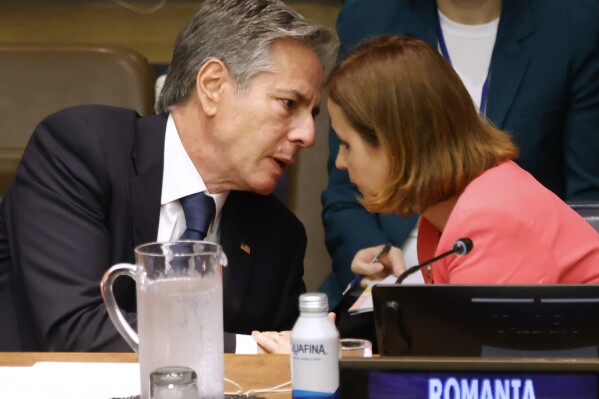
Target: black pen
359	277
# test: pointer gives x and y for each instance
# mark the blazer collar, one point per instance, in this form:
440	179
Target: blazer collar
420	21
510	58
146	185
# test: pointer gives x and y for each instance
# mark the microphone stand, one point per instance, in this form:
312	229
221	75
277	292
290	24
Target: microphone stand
462	246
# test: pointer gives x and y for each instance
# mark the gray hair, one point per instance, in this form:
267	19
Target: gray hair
241	34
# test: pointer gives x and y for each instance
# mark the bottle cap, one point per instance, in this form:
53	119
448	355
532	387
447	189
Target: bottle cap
313	302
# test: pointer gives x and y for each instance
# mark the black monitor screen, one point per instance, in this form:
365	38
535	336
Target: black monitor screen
487	320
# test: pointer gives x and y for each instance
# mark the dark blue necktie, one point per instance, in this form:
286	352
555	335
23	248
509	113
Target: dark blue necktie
199	210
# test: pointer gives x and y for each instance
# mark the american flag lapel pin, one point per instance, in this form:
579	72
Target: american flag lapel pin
246	248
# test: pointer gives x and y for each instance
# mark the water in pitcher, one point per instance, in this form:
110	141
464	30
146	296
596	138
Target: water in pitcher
194	335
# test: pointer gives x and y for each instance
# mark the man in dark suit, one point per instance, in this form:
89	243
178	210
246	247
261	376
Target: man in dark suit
95	181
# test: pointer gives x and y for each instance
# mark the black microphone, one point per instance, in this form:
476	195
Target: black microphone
461	247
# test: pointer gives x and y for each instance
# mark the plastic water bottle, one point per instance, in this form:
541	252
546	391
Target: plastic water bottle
314	350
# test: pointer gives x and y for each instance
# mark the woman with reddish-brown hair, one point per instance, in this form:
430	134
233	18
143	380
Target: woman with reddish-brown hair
413	142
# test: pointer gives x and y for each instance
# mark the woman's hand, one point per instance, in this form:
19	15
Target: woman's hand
276	341
393	262
273	341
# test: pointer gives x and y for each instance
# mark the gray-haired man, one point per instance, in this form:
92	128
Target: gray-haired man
238	104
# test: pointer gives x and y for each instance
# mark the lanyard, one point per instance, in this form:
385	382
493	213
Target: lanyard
483	97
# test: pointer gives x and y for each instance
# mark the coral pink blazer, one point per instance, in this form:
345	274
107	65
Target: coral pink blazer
522	234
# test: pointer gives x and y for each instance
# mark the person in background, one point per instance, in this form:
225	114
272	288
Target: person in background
531	68
412	142
238	105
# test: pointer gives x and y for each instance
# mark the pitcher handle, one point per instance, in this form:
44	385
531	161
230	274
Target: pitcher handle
119	321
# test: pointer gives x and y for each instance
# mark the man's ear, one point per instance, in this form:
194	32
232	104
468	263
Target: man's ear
210	84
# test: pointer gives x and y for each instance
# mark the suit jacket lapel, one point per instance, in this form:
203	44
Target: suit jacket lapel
510	59
235	227
146	185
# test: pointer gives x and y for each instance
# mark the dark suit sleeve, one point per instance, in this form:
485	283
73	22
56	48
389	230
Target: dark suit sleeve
349	227
581	135
230	342
57	228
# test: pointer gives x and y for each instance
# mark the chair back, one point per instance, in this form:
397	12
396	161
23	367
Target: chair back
589	210
38	80
9	160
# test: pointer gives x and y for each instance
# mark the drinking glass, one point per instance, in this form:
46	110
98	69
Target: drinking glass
173	383
355	347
